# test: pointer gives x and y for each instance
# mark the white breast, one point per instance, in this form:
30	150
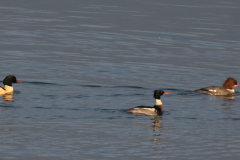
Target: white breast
158	102
231	90
9	89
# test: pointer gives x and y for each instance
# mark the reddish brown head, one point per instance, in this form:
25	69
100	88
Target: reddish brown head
230	83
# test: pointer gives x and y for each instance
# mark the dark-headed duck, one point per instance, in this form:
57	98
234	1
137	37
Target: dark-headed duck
153	111
8	88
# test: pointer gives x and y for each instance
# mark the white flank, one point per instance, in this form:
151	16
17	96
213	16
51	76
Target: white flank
147	111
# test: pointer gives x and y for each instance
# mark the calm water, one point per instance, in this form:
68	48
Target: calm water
84	62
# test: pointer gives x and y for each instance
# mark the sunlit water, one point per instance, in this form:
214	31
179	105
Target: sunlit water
84	63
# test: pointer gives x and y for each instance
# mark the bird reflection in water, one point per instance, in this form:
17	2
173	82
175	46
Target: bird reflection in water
156	125
231	98
8	97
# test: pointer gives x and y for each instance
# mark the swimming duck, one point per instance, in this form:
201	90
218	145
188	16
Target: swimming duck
153	111
226	89
8	88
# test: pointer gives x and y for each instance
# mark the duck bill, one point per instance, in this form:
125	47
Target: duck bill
237	84
167	92
19	81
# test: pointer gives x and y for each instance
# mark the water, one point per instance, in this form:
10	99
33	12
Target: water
84	63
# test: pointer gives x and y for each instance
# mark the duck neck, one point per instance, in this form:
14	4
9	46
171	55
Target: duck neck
159	104
8	88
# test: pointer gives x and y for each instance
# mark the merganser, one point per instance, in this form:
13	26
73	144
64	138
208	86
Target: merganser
8	88
152	111
226	89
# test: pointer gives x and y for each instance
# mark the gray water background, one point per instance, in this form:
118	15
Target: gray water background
84	62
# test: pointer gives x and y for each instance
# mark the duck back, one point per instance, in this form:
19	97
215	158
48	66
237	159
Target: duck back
214	90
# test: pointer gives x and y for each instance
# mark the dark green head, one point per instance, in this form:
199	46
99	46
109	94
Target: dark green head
10	79
158	93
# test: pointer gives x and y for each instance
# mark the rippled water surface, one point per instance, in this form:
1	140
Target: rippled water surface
84	62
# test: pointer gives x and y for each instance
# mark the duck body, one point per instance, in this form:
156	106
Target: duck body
157	109
215	91
226	89
8	88
152	111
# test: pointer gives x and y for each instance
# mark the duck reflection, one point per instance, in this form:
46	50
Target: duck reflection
227	97
156	126
8	97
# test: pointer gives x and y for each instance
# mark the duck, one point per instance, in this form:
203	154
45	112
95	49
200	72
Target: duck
8	88
156	110
226	89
